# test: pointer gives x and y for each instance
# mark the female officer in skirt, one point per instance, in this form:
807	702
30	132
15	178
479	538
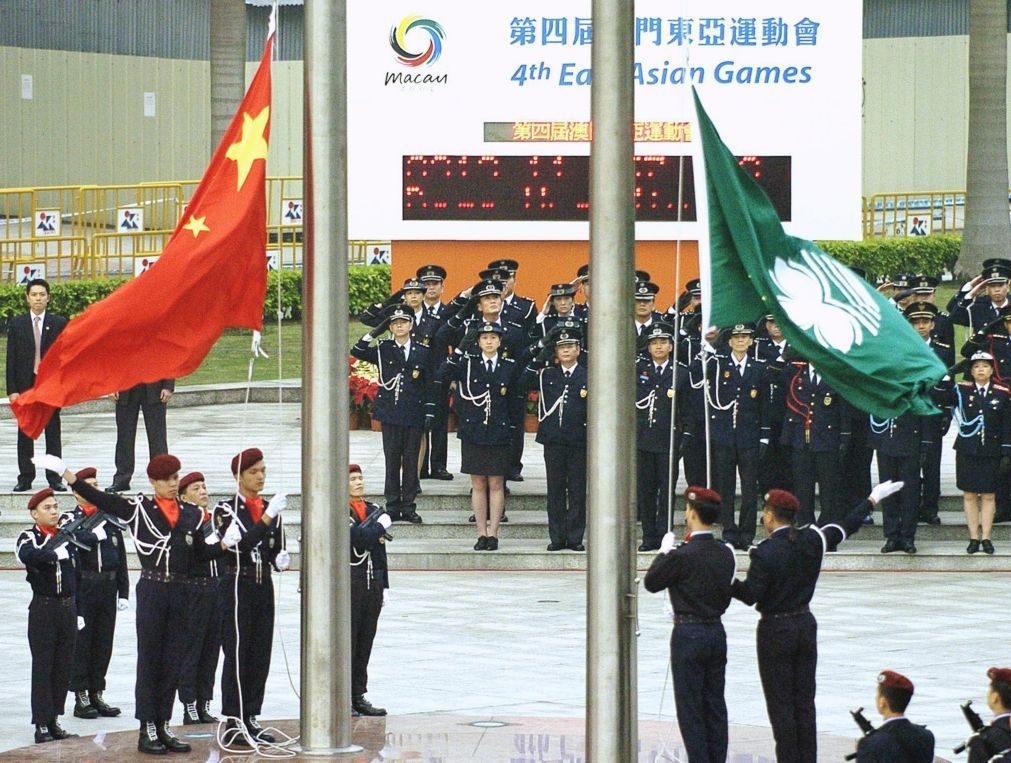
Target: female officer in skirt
489	407
983	445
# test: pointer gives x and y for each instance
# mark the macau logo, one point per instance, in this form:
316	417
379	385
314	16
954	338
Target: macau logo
400	33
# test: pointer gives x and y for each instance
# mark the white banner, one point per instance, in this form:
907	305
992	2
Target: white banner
439	80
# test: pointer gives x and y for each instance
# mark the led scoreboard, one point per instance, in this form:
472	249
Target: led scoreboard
556	188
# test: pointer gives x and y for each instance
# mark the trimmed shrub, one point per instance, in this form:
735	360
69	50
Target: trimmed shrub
926	254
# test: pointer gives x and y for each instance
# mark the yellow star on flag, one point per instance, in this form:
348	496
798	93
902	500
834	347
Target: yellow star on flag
196	225
251	145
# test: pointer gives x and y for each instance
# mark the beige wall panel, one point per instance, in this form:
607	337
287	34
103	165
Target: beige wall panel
286	117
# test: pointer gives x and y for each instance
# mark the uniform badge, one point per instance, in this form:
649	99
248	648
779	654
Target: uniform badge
415	373
582	392
828	400
189	539
270	543
115	540
726	374
502	391
754	393
972	398
382	540
670	393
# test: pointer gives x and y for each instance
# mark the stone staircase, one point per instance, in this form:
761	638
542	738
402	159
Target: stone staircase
445	540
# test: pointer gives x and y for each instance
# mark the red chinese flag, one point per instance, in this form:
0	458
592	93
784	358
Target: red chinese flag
211	275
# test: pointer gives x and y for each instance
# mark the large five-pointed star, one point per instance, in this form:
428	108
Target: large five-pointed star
196	225
251	146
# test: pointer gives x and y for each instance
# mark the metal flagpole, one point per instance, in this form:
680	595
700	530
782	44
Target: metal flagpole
611	727
326	563
673	457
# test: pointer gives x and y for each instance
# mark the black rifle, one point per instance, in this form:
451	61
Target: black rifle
372	519
865	727
974	721
68	532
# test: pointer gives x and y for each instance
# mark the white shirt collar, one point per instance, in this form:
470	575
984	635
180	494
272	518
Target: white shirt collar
570	369
893	718
41	316
406	345
493	359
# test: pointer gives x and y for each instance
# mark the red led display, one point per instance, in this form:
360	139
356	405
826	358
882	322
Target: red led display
441	187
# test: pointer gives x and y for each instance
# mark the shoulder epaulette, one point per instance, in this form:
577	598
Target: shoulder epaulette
966	384
1001	387
507	360
942	344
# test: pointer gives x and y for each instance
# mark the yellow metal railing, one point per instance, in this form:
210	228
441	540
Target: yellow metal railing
56	258
914	213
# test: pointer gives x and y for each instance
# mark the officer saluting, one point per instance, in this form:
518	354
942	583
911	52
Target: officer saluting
514	308
698	575
979	301
52	616
897	739
434	460
780	583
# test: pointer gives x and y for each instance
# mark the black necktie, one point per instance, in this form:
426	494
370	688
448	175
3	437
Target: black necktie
403	353
659	370
568	373
431	312
489	366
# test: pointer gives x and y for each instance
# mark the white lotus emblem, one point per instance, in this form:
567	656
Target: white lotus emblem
806	294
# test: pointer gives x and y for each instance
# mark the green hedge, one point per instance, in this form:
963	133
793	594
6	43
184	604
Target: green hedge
927	254
68	298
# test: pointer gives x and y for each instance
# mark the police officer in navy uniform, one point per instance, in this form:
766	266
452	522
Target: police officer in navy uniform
897	739
658	381
924	289
104	589
978	302
818	430
404	404
582	283
560	379
53	573
514	308
558	306
994	739
697	575
435	459
645	303
775	468
739	414
370	579
780	583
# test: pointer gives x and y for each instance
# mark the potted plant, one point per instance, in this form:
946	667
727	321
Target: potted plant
362	386
530	419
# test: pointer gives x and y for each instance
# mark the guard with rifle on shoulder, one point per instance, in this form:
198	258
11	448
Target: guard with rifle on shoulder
991	742
897	739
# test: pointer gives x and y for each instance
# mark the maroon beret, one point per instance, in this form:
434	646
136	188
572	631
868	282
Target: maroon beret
782	500
354	469
997	675
39	497
163	466
703	495
88	473
893	680
189	479
249	456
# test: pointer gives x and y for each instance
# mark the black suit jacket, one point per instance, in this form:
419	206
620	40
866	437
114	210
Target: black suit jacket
145	394
898	741
21	348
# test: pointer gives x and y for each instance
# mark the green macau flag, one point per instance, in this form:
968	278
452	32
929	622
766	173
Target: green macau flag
857	340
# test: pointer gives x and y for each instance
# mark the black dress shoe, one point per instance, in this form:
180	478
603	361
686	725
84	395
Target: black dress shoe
83	707
57	731
890	546
515	477
742	545
58	487
204	711
118	487
556	546
171	741
42	733
504	519
577	547
103	708
909	548
441	474
235	735
481	545
420	491
933	519
987	545
414	518
354	713
973	546
472	519
644	546
24	487
364	707
149	742
492	543
256	731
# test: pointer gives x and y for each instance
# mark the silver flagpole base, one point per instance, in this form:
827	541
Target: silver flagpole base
327	752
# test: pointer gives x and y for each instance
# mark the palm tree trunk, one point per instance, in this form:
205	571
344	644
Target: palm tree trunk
987	232
228	63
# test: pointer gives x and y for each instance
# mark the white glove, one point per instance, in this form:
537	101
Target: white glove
385	521
122	604
667	544
61	551
212	539
100	532
232	535
80	623
276	505
386	596
51	463
885	489
668	608
257	349
283	560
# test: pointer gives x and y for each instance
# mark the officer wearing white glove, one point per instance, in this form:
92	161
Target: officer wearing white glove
276	505
122	604
232	535
667	543
283	560
884	489
80	623
50	463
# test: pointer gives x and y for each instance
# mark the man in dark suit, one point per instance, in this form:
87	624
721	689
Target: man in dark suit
152	399
29	337
897	740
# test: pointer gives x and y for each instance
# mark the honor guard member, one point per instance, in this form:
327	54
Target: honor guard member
897	739
52	571
978	302
780	583
252	531
370	580
168	542
697	575
203	627
775	470
658	380
739	415
474	307
818	430
925	290
645	301
489	404
995	738
582	282
404	405
561	383
515	308
104	589
922	317
558	306
153	400
983	444
437	439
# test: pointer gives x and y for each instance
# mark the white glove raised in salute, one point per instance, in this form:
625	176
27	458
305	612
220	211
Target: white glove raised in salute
50	463
668	543
385	521
122	604
276	505
283	560
884	489
232	535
